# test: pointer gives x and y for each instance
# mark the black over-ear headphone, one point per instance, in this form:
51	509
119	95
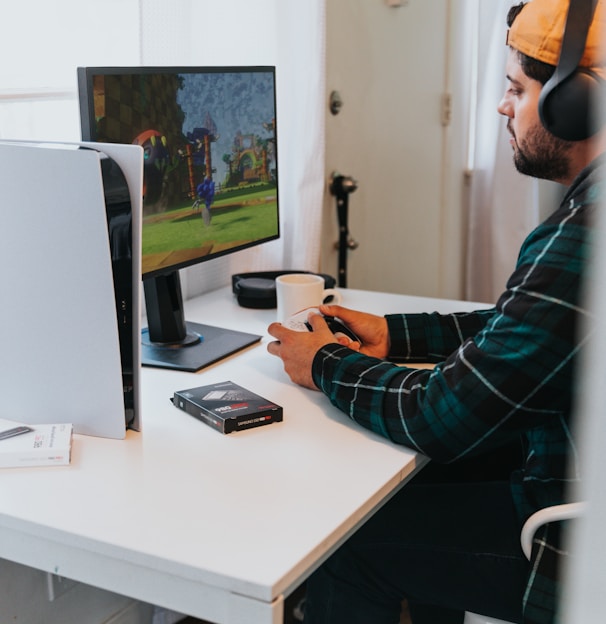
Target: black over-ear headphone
566	100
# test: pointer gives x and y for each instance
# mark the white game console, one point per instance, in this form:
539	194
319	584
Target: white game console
70	263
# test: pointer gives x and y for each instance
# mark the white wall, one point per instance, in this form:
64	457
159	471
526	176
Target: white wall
42	44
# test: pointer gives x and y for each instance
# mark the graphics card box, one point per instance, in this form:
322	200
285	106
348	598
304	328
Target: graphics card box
227	407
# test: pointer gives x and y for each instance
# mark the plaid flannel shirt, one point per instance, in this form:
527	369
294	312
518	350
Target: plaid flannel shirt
502	373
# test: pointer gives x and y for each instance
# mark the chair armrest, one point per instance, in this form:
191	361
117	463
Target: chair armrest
543	516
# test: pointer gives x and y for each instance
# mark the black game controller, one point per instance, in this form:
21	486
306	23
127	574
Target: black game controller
299	322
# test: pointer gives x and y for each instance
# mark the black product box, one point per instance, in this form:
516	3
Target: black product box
227	407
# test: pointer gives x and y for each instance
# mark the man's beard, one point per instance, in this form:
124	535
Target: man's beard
542	155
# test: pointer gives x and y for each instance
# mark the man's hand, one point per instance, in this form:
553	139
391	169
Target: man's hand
372	330
298	349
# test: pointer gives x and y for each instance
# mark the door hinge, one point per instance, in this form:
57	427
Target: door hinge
446	113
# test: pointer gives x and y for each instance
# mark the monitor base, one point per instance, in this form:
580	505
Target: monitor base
215	344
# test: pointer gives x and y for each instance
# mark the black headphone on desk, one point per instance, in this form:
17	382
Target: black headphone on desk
258	290
567	98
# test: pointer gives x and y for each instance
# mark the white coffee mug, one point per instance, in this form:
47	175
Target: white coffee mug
298	291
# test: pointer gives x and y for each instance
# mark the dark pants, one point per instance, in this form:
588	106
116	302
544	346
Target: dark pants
447	545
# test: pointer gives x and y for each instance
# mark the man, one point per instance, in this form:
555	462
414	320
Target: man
449	543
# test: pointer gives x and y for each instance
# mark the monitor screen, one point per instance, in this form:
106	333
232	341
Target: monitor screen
210	181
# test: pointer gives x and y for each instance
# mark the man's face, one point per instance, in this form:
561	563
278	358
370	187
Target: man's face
536	152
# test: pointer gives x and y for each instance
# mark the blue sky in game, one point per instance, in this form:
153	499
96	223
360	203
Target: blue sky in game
237	101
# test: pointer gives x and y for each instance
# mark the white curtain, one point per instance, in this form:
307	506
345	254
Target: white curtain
503	205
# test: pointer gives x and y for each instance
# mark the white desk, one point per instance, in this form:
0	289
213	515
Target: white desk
219	527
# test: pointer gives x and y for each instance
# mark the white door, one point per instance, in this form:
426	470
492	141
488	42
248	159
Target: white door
392	68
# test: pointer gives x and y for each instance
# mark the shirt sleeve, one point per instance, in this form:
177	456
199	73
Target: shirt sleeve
432	337
512	374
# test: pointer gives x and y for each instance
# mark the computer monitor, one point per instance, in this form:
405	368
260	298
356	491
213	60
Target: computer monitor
210	183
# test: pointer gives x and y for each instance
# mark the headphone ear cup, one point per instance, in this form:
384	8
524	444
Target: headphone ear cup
566	108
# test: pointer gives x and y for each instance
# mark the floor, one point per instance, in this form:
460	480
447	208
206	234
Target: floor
291	603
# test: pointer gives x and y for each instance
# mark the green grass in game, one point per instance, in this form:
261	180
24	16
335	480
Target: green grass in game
180	234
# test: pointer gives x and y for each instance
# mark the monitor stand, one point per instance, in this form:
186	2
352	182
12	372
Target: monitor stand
171	342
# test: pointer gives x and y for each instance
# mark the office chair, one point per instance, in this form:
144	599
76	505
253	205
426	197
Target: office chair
543	516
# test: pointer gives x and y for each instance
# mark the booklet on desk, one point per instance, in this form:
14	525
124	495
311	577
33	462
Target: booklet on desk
34	445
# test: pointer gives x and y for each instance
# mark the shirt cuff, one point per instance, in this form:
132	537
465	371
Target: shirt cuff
325	364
